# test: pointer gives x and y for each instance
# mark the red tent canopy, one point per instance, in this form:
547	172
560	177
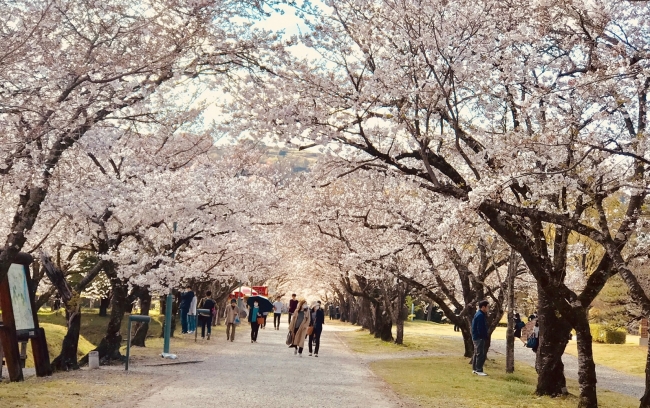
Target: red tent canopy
243	291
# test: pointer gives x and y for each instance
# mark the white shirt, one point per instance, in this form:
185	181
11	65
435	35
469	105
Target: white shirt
193	307
277	306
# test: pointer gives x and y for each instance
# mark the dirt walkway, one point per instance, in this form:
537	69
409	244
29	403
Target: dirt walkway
269	374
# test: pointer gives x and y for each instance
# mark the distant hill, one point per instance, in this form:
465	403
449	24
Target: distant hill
298	160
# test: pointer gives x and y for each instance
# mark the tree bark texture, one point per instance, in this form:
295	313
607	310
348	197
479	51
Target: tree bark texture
586	366
109	346
510	331
142	328
645	400
554	334
383	324
67	359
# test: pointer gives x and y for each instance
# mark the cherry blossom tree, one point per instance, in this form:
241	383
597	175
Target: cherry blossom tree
532	116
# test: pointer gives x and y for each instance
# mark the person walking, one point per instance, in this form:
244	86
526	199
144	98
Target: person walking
457	313
331	312
264	315
518	325
317	322
184	307
480	337
293	303
191	316
252	318
231	314
206	319
277	314
299	326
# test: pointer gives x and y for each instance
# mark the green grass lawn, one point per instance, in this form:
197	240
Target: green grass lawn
446	382
93	326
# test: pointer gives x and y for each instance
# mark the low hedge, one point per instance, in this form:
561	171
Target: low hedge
606	334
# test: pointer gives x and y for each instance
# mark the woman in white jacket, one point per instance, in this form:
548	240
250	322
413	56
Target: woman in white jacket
191	317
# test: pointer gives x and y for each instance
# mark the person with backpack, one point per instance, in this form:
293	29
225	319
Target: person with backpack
231	315
518	325
480	337
206	319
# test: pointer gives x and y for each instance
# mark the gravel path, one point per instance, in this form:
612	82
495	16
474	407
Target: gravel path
608	378
269	374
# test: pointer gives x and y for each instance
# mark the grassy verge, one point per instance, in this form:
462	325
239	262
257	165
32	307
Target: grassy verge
93	326
361	342
419	335
448	382
84	388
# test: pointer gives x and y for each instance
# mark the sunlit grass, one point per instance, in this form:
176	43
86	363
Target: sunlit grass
448	382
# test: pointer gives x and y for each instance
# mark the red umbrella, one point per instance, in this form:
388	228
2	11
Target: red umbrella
243	291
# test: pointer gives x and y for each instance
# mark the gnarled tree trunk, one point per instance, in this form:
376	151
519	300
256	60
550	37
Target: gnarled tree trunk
586	366
554	335
143	328
109	346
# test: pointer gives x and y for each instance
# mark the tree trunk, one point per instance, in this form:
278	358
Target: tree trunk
365	314
399	337
103	306
554	334
510	331
466	331
383	325
216	319
586	366
142	328
67	359
109	346
645	400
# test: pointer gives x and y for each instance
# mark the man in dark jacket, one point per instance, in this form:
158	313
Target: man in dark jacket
293	304
479	336
186	301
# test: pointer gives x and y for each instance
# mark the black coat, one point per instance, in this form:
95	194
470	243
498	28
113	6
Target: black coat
320	319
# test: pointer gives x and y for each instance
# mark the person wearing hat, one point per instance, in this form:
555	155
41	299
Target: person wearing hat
317	321
231	313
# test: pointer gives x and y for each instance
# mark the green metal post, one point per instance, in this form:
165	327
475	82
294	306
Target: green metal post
168	312
168	322
128	348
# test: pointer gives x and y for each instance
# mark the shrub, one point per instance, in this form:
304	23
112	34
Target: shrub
607	334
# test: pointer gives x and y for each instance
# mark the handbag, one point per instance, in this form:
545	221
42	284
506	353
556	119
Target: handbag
532	341
310	330
236	322
260	320
289	339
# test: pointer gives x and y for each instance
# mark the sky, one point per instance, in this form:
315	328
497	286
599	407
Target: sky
287	22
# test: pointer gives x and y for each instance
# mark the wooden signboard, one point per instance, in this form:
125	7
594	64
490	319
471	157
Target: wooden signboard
20	321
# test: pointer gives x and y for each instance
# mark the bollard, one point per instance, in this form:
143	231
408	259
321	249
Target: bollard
93	359
198	312
133	318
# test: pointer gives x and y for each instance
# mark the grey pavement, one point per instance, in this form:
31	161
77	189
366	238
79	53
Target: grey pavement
267	373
